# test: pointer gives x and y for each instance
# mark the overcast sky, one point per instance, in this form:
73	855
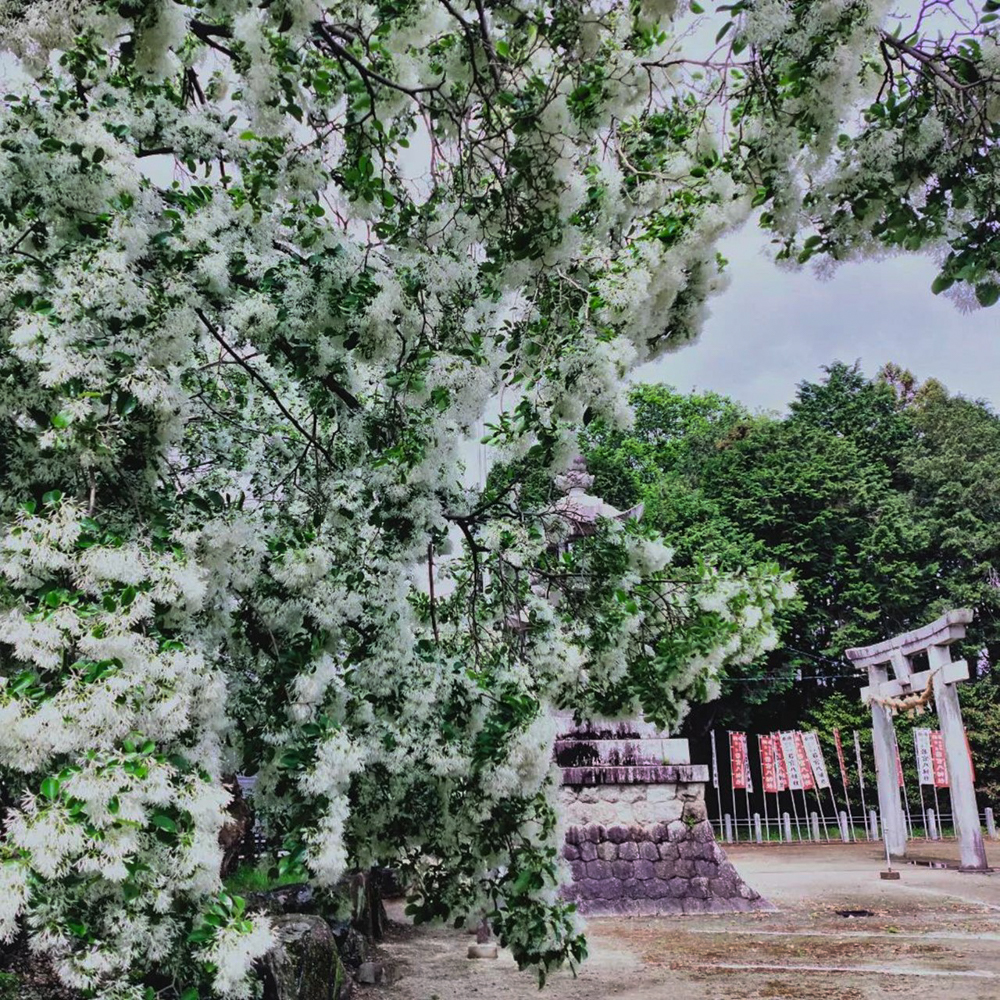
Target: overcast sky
773	328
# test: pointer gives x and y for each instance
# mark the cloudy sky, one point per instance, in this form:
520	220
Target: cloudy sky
773	328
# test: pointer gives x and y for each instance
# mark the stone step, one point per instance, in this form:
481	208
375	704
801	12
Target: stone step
582	752
642	774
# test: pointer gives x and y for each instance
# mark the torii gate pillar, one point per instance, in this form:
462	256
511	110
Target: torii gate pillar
934	639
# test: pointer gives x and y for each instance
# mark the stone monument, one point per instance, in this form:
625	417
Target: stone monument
638	839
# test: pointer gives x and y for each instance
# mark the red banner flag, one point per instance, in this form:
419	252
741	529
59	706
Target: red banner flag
803	760
738	759
768	764
780	759
938	760
840	758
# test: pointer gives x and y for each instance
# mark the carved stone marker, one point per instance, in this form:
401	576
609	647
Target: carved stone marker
906	689
638	839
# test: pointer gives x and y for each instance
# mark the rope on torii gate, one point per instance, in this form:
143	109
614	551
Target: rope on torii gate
913	704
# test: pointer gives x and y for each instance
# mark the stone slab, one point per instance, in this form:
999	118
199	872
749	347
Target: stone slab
643	774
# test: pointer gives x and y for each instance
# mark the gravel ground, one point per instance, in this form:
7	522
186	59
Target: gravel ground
934	933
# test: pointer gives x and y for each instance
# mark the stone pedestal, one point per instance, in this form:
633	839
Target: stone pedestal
638	840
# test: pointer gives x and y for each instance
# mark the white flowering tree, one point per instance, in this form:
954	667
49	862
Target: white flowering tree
262	267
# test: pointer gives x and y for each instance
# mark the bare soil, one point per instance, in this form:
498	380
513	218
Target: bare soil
934	933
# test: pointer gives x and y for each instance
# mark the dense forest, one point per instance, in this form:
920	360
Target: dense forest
881	494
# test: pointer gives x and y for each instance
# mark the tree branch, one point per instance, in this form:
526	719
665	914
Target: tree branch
264	384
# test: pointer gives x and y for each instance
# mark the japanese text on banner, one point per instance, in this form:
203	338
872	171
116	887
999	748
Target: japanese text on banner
939	762
738	759
922	749
769	765
815	754
790	761
803	759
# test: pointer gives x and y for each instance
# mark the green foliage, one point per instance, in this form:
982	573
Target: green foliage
882	497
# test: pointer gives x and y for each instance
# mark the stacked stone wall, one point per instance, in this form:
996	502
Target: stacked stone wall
647	848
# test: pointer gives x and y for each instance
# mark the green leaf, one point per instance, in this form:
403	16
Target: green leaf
50	788
61	421
987	293
163	822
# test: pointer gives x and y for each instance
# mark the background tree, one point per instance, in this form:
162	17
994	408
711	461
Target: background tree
880	495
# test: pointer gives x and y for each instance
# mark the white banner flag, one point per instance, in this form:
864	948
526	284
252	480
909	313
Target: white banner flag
715	764
922	747
815	753
857	754
791	761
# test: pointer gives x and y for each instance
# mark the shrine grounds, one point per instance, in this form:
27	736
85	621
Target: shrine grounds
934	933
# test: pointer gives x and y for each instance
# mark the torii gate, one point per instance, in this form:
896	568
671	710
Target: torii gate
944	673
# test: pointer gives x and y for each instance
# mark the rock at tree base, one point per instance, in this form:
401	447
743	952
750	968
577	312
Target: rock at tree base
372	973
305	964
483	951
638	839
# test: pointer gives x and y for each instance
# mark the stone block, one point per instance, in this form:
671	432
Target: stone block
689	850
634	889
596	833
588	851
695	905
611	888
622	869
571	852
607	851
658	794
694	812
722	888
699	887
678	887
706	869
663	869
657	888
685	869
645	814
591	888
588	796
659	832
669	906
676	831
579	870
703	833
598	869
628	851
617	834
573	835
669	852
648	851
644	869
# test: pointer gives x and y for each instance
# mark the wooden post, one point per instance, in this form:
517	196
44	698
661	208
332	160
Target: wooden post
964	808
884	744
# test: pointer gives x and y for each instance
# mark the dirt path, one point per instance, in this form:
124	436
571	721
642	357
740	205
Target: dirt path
935	933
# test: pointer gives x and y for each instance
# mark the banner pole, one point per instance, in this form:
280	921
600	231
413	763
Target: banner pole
902	776
843	780
715	783
763	788
861	783
749	781
732	788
